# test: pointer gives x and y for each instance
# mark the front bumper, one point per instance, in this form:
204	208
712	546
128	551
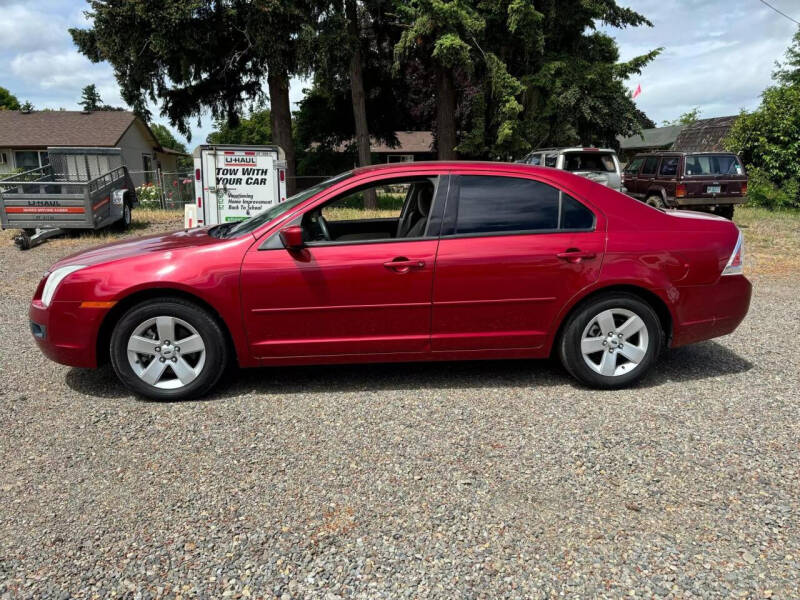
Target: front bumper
67	333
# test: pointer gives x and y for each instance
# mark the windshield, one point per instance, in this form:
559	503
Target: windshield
265	216
713	164
589	161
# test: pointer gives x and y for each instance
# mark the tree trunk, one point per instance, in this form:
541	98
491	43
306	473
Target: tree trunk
446	115
281	117
358	98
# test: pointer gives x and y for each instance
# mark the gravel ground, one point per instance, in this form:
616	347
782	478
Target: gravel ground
469	480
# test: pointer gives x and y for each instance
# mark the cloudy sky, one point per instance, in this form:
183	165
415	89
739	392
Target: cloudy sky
718	55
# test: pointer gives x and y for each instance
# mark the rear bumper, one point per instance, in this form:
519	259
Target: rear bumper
66	333
709	311
710	201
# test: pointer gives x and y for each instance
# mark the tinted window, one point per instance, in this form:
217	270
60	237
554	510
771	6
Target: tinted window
534	159
650	165
550	159
633	168
498	204
590	161
713	164
669	166
575	215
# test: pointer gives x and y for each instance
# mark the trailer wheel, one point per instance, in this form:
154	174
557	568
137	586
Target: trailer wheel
124	222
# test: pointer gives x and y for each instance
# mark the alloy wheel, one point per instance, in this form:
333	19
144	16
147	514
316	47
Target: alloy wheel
166	352
614	342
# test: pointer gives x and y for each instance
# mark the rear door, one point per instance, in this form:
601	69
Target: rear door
513	251
714	176
667	177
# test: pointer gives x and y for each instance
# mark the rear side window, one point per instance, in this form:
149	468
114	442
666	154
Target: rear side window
650	165
634	166
534	159
550	159
713	164
669	166
507	204
589	161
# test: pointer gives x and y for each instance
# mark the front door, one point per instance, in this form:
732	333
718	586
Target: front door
350	290
513	251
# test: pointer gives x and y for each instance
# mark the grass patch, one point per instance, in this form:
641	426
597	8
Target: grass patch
771	238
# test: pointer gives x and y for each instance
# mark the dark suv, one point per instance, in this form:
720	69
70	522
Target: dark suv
709	181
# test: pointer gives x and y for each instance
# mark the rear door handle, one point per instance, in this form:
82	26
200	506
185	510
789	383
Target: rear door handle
574	255
401	264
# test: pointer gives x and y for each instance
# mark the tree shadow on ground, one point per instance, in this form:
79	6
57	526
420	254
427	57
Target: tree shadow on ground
699	361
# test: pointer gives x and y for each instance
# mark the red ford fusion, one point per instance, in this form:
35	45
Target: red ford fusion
419	262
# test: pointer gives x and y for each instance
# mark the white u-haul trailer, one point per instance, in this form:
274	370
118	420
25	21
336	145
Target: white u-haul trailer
232	183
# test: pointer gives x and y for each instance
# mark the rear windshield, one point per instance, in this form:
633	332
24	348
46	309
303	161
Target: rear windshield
713	164
590	161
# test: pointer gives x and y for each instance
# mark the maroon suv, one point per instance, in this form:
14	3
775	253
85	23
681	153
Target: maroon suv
709	181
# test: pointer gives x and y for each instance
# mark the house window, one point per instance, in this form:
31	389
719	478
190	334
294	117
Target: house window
398	158
31	159
147	167
3	158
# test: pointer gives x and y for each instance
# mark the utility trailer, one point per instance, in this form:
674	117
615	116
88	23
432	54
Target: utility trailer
234	182
80	189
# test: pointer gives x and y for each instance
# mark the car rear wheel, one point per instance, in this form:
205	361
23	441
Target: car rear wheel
168	349
611	341
655	201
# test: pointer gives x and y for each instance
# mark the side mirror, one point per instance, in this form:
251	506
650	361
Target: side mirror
292	237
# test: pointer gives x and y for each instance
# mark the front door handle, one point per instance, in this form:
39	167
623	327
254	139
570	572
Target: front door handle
575	255
401	264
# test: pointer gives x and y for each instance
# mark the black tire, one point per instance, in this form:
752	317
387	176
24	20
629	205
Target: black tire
124	223
569	344
216	357
655	201
725	211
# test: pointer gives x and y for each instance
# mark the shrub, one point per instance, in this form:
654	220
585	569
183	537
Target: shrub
761	191
149	195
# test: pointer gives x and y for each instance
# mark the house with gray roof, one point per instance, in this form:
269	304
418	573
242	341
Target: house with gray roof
25	137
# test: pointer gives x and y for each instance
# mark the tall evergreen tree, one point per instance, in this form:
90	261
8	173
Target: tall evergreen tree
90	98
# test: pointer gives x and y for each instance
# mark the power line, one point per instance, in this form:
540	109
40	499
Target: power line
780	12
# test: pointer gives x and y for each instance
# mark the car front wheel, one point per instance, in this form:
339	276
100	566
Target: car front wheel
611	341
168	349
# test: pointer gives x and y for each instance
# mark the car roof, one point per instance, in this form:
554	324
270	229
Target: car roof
573	149
444	165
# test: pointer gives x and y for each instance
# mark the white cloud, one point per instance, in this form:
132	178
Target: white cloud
23	29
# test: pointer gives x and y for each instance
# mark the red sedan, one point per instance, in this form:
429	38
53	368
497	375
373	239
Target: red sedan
459	260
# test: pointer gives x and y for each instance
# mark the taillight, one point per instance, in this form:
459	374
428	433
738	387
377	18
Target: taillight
197	174
744	189
199	202
283	175
736	261
680	190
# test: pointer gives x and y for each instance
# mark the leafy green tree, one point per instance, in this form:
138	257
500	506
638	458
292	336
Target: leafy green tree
165	137
768	140
511	74
193	56
90	98
8	101
26	106
788	71
256	129
686	118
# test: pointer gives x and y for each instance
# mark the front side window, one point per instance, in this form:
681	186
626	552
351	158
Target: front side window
713	164
490	204
389	210
669	166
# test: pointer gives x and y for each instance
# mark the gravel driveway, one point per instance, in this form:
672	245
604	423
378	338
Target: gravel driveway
469	480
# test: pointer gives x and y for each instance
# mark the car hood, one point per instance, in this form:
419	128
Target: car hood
154	244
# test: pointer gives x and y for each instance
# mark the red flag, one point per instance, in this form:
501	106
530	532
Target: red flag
638	90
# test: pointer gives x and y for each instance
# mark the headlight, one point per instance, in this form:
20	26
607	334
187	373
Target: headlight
54	279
